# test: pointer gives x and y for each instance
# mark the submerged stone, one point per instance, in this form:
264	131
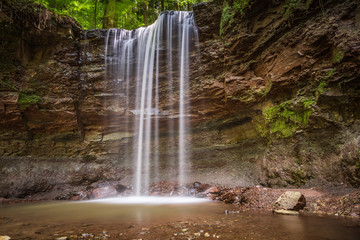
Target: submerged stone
286	212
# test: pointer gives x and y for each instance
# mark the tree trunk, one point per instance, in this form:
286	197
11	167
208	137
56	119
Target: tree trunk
109	20
146	13
95	6
162	5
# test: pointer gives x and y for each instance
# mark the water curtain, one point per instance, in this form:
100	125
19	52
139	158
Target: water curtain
151	67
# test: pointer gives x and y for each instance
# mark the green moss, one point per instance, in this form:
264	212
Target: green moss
226	17
330	73
298	177
289	8
240	5
6	83
285	119
338	55
228	13
27	99
323	86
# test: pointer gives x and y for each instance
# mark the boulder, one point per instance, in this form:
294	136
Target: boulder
103	192
212	190
5	238
290	200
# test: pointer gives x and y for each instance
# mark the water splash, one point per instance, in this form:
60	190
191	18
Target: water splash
151	67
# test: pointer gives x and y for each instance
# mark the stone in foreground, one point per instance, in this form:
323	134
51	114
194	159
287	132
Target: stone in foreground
286	212
290	201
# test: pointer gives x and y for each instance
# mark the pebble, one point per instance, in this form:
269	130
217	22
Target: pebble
206	235
5	238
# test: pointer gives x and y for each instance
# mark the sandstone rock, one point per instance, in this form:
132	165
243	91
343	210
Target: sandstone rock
103	192
212	190
290	200
203	187
286	212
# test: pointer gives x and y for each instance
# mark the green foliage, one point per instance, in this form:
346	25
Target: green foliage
284	119
330	73
290	7
81	10
321	88
228	13
129	14
27	99
240	5
338	55
226	17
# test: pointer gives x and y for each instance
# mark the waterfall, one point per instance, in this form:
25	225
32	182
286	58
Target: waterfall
150	67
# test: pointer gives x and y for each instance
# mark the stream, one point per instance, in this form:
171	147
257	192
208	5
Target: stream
157	219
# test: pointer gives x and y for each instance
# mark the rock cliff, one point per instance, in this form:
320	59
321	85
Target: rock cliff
274	99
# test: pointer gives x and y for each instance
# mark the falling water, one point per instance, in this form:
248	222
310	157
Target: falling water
151	67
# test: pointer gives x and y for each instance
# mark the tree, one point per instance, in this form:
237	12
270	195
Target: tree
95	5
127	14
109	19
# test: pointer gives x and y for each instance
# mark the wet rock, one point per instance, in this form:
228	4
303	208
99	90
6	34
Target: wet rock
5	238
203	187
290	200
103	192
212	190
196	184
286	212
121	188
62	238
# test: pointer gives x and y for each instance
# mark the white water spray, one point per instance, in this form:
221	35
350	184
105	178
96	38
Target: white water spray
136	61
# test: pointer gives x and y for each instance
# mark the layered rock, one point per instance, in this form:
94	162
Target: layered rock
274	99
283	78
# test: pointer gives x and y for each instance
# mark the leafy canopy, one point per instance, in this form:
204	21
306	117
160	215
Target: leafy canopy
129	14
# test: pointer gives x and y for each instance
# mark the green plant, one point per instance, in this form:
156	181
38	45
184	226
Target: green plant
338	55
27	99
331	73
283	120
240	5
228	13
321	88
226	17
289	8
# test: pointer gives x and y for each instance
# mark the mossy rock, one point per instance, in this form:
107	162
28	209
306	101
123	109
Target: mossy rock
284	119
27	99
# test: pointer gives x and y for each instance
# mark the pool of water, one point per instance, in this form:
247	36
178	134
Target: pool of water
157	218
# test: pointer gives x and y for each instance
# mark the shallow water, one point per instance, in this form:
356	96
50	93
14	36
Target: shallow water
163	221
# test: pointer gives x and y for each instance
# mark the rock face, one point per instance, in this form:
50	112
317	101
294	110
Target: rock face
274	99
104	192
290	201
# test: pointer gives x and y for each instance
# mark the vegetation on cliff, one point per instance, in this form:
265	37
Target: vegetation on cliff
125	14
27	99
